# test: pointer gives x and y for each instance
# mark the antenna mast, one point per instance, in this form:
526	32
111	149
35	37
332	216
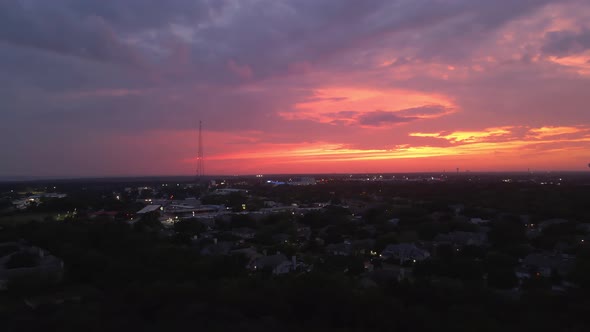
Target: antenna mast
200	159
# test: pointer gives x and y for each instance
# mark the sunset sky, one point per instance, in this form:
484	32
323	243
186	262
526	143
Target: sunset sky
114	88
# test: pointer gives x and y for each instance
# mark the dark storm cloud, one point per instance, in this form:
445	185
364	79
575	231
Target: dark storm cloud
342	114
562	43
383	118
315	30
430	110
142	14
264	37
93	28
51	27
386	118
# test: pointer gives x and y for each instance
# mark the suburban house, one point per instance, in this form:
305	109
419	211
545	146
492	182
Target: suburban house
404	252
250	253
217	248
19	261
462	238
545	264
544	224
339	249
277	264
363	246
244	233
281	238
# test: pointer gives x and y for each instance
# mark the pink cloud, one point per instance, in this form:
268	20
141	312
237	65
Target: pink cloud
242	71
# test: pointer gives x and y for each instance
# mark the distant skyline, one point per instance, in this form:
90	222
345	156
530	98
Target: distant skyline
117	88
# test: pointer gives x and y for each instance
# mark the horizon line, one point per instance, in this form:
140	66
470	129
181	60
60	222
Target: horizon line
25	178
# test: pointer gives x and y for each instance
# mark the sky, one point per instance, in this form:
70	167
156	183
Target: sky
117	88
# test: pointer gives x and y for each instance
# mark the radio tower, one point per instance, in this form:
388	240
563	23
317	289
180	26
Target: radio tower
200	159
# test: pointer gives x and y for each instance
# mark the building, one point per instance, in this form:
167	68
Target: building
404	252
339	249
545	264
244	233
227	191
149	209
302	181
277	264
21	262
462	238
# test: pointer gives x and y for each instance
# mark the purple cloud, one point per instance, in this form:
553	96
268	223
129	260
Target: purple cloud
95	68
380	118
424	111
566	42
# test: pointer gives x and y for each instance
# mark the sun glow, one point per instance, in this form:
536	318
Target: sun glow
337	152
467	136
578	62
347	104
553	131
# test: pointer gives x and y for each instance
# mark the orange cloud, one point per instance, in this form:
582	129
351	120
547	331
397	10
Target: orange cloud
468	136
319	152
350	105
580	63
544	132
489	149
475	149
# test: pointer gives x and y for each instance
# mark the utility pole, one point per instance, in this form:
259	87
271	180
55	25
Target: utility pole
200	158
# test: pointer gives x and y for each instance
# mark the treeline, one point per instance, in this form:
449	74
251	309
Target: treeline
132	278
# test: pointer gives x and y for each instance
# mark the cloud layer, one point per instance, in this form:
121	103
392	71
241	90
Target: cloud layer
118	87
